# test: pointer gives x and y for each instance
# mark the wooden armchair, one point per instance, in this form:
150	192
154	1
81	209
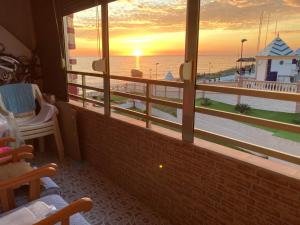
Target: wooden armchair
12	164
14	155
64	213
7	196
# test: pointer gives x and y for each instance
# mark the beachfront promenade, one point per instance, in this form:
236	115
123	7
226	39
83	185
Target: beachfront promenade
230	128
257	103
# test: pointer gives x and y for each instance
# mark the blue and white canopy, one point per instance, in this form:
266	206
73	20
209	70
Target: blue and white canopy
276	48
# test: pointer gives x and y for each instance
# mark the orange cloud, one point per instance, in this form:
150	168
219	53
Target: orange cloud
293	3
157	27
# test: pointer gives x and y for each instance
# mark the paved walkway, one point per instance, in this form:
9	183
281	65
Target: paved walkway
234	129
246	133
256	103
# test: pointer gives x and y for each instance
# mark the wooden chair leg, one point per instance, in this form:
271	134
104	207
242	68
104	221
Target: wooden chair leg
7	199
34	190
58	139
41	144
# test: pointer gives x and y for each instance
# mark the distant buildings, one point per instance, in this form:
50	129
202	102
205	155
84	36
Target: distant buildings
278	62
169	76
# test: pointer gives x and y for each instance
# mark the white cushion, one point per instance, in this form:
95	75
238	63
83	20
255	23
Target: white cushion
54	202
27	215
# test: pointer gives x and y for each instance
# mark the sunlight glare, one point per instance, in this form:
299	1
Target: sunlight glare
137	52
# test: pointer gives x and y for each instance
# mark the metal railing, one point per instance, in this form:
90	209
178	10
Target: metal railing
149	99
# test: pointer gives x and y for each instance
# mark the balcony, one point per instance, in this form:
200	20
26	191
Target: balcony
139	168
111	203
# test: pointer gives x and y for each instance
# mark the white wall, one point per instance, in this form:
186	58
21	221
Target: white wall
285	70
261	68
12	44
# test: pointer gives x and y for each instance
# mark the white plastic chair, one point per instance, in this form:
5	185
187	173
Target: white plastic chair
31	126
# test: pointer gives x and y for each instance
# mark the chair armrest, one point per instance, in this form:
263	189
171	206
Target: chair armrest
43	171
63	215
15	155
3	111
5	140
38	94
7	198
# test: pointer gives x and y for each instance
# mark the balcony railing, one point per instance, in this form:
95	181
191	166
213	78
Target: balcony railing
259	85
149	99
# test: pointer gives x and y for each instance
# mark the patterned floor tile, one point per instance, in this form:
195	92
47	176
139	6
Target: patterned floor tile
112	205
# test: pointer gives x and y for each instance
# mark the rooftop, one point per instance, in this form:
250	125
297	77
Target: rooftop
276	48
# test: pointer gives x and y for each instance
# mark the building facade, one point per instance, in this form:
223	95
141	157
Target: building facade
278	62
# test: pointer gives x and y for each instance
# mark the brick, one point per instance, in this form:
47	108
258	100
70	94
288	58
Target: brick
262	190
273	177
197	186
294	184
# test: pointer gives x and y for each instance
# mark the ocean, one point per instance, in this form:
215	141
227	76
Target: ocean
155	67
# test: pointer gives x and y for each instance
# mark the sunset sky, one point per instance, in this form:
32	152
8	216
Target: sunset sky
155	27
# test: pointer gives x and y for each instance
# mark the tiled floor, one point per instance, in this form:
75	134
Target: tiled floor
112	205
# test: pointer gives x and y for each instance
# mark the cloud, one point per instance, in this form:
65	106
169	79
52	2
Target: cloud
292	3
290	32
148	16
246	3
243	14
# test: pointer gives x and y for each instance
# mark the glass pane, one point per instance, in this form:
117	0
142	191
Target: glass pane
83	48
147	40
251	45
147	36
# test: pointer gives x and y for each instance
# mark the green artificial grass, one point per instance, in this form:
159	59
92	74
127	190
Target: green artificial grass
167	109
265	114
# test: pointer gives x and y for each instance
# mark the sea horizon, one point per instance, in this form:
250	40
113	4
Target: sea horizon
157	65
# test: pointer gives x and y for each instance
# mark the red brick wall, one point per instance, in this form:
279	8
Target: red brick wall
197	185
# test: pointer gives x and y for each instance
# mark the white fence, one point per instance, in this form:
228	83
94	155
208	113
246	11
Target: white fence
258	103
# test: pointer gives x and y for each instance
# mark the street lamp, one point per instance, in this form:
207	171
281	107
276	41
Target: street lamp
209	67
156	70
156	65
241	59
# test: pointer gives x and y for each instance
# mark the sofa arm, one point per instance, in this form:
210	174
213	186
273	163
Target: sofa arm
64	214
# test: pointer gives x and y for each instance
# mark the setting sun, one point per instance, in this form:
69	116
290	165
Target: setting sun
137	52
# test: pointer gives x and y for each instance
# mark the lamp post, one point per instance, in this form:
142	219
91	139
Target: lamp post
156	70
242	48
156	65
209	67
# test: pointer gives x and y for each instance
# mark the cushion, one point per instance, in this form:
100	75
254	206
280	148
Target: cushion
27	215
18	98
52	202
15	169
48	187
4	149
